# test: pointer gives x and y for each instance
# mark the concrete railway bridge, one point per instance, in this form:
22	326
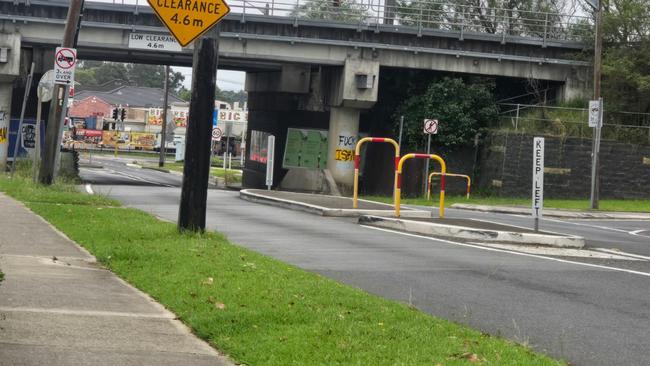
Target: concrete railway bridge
310	67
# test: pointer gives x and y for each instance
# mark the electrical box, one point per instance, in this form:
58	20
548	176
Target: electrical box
365	81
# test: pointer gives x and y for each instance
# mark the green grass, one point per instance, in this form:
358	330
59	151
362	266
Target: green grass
2	276
566	204
256	309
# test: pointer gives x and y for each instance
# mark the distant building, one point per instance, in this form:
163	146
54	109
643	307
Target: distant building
92	110
137	101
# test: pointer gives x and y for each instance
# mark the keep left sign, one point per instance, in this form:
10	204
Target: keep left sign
65	62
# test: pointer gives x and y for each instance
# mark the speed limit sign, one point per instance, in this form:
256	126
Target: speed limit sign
216	134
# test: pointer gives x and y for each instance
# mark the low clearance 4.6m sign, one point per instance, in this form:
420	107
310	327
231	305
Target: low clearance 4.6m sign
188	19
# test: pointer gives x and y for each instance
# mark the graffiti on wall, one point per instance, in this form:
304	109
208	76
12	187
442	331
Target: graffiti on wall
345	148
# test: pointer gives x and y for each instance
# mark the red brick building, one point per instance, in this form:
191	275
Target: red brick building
91	106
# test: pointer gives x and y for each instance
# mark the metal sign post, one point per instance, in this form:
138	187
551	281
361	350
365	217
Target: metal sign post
19	131
538	179
430	128
270	159
596	122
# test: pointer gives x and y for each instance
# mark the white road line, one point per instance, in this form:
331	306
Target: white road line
517	226
621	253
89	189
140	179
645	274
594	226
638	233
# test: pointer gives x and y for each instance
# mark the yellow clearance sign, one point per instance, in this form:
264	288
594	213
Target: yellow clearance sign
188	19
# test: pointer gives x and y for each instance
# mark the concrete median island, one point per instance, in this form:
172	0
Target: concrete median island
468	229
324	205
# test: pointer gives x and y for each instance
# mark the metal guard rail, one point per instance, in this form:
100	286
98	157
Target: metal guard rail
420	14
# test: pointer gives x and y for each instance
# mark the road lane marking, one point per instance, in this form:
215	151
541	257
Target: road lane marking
561	252
645	274
618	252
638	233
140	179
594	226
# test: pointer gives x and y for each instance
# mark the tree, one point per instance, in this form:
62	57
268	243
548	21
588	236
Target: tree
231	96
95	73
626	58
341	10
515	17
153	76
185	94
463	109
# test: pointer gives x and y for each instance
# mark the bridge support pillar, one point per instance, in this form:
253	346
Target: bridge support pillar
9	70
342	138
354	89
577	85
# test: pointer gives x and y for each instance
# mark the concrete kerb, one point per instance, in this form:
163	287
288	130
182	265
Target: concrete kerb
564	214
462	232
247	195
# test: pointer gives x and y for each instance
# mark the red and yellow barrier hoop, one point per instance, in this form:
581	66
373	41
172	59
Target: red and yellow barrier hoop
469	182
398	189
357	164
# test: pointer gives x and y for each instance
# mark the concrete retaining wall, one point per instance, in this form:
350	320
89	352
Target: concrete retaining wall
506	167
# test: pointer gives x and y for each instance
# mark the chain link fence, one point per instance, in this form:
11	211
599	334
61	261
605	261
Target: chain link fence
572	122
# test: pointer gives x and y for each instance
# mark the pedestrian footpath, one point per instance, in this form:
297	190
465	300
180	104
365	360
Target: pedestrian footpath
59	307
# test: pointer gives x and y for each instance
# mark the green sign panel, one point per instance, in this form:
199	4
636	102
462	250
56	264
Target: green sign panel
305	149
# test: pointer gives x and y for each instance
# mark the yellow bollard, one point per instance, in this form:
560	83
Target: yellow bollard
398	189
357	164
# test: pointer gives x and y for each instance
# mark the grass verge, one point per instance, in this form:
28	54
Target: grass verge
605	205
256	309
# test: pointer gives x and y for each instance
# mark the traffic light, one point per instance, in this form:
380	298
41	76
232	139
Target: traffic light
115	114
123	114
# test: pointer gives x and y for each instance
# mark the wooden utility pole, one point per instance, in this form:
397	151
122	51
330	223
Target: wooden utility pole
58	107
196	169
598	63
163	133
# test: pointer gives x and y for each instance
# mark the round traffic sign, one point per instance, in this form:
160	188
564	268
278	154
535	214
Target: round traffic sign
431	126
65	58
46	86
217	134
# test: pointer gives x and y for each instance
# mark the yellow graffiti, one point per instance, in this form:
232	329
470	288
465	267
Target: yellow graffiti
344	155
3	135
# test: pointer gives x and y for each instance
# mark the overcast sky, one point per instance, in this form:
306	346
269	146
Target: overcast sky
226	79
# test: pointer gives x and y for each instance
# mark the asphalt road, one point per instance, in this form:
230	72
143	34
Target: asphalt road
588	308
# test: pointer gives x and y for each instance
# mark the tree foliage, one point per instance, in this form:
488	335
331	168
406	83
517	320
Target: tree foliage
223	95
95	73
463	109
518	17
341	10
626	59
